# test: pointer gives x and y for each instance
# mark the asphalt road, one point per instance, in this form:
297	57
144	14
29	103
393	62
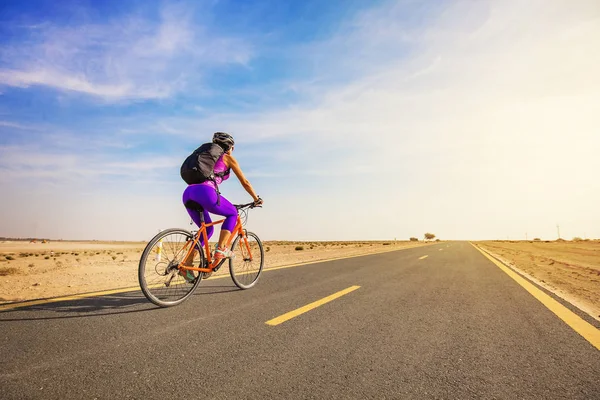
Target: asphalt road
449	326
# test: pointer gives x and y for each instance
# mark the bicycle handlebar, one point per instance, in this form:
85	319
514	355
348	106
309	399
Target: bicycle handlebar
248	205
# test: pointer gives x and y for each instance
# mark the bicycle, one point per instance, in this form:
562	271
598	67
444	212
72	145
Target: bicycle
166	281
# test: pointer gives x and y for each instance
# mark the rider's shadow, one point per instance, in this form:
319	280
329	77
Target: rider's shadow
86	307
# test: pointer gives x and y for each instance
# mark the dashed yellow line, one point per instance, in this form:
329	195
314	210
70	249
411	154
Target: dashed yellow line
420	258
292	314
585	329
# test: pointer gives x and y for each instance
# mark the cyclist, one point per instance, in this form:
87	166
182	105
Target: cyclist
207	196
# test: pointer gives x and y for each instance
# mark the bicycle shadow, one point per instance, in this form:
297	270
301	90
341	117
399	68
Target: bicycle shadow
97	306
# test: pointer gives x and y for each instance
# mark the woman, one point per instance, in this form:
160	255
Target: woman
206	195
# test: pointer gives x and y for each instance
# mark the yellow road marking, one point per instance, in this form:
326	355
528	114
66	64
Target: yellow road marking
585	329
420	258
287	316
27	303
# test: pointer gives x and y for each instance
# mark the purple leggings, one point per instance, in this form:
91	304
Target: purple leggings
206	196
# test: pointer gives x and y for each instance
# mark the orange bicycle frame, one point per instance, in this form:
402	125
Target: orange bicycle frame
238	230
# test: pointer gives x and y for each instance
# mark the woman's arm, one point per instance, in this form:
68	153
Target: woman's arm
232	163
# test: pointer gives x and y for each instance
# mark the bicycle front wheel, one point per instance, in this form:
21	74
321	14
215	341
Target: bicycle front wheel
247	261
158	274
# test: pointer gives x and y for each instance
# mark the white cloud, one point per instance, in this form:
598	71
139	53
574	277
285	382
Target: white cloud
130	58
73	166
11	124
65	81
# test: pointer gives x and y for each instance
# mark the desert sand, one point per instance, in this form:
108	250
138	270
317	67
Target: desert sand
42	270
570	269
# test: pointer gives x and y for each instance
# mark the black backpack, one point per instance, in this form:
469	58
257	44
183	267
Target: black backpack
199	166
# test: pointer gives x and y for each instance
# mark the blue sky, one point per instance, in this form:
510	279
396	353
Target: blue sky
354	120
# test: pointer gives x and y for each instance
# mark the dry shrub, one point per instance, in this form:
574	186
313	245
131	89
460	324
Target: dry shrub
5	271
299	248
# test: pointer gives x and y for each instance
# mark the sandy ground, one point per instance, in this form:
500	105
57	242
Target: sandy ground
41	270
569	269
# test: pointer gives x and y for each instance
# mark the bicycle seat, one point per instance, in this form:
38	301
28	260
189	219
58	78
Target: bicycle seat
192	205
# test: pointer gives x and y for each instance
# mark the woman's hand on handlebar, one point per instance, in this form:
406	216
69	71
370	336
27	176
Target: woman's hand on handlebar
258	202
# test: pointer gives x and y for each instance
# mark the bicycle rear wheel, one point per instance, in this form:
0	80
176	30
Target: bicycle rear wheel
247	262
158	275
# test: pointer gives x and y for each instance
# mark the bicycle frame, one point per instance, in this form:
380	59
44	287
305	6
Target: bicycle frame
238	230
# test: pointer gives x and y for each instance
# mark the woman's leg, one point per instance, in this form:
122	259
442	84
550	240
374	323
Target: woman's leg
196	194
206	197
209	229
227	210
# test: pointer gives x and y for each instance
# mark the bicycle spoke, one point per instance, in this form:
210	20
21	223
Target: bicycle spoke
244	269
159	277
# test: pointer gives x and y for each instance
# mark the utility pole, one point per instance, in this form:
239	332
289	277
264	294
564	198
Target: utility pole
525	235
558	230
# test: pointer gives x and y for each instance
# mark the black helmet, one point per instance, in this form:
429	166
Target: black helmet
225	140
